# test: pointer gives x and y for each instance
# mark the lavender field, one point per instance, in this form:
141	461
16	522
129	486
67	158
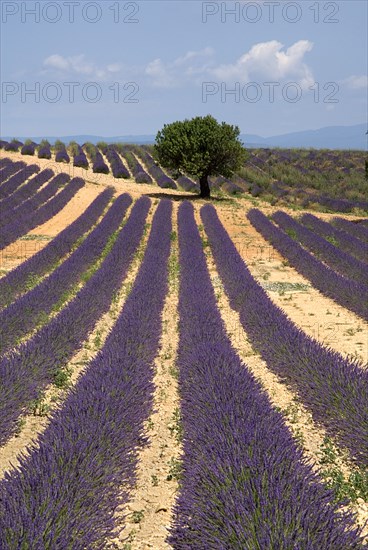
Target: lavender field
177	373
320	180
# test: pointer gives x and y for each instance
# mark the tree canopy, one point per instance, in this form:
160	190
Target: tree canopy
200	147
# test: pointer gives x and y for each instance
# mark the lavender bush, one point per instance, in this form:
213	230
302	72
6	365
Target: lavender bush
117	166
13	146
187	184
80	159
99	166
44	150
231	188
139	174
62	156
162	179
28	149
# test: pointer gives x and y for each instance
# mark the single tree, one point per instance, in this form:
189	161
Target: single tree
200	147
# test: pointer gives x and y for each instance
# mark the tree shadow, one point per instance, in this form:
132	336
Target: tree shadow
187	197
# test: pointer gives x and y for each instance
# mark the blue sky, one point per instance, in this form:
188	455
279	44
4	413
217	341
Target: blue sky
114	68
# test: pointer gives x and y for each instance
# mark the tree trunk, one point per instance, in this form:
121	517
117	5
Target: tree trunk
205	188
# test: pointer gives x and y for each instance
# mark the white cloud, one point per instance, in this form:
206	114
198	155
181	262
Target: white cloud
264	62
192	55
78	64
356	82
269	61
56	62
172	73
160	74
114	67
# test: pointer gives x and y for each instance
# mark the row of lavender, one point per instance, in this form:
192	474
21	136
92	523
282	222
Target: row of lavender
162	179
61	155
80	160
333	180
24	315
17	281
345	241
345	292
25	372
25	198
118	169
332	387
13	177
130	153
29	148
8	170
136	168
245	482
41	207
12	146
92	475
4	162
354	229
279	189
334	204
340	261
311	161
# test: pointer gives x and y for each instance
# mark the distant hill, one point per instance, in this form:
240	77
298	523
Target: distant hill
330	137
